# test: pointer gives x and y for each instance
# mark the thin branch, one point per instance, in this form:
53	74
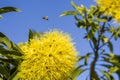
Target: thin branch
93	63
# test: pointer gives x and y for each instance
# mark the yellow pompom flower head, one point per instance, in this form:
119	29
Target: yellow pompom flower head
51	56
110	7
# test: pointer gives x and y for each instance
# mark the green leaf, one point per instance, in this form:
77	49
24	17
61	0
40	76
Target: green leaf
113	70
80	57
67	13
118	73
101	20
9	44
92	10
16	48
16	77
4	40
110	46
80	23
75	6
12	61
107	75
4	72
92	31
13	75
112	29
8	9
76	73
33	34
11	53
2	48
116	34
86	58
79	9
105	39
106	65
90	34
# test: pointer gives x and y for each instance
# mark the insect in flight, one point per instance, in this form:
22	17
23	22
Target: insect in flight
45	18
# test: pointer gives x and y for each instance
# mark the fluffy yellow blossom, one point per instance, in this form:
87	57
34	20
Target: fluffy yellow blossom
50	57
110	7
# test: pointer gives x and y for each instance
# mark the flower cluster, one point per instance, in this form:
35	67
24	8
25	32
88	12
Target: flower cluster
49	57
110	7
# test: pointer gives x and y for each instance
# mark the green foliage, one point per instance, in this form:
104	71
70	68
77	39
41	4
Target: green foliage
33	34
107	75
8	9
99	33
77	72
10	53
9	57
115	32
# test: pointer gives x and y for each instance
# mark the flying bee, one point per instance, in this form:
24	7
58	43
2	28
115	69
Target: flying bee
45	18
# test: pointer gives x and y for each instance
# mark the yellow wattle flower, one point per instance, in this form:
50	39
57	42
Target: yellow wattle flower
110	7
50	57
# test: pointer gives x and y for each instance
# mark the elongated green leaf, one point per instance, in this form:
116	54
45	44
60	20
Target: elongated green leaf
75	6
105	39
116	34
12	61
80	23
4	72
11	53
80	67
4	40
31	34
106	65
92	10
113	70
118	73
2	48
80	57
67	13
101	20
16	77
86	58
6	52
76	73
107	75
112	30
79	9
92	31
8	9
13	75
110	46
16	48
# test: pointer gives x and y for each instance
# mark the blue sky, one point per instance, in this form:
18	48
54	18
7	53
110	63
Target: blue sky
17	25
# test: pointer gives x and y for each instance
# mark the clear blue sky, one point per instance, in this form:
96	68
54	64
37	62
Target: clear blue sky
17	25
